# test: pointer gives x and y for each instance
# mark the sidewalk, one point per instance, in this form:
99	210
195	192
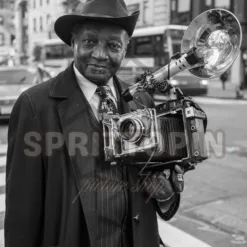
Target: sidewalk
215	90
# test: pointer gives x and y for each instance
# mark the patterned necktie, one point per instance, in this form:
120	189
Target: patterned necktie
106	103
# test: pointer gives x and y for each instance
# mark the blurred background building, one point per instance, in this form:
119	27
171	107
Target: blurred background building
152	12
33	21
7	31
21	28
42	14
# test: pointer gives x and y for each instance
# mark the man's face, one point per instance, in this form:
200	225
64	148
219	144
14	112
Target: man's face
99	49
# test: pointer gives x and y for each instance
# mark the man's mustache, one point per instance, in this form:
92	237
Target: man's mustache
99	65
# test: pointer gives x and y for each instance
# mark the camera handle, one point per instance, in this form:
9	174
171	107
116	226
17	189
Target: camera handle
177	181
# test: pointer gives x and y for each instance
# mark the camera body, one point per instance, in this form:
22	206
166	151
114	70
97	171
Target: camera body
171	133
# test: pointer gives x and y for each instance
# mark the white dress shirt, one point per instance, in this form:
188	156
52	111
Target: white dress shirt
89	90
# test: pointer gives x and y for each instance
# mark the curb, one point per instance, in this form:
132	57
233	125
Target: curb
161	97
222	98
1	238
215	101
3	149
174	237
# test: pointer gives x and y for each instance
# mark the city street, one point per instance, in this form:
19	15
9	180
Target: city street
197	46
214	201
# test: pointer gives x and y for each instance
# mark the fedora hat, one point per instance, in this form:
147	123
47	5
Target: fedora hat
111	11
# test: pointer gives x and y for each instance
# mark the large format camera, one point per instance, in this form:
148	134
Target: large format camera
173	132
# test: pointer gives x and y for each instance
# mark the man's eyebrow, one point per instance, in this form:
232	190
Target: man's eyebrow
115	38
90	32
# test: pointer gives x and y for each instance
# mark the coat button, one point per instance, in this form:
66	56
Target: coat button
136	218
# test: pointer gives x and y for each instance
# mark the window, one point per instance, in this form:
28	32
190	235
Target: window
48	17
143	46
34	25
133	8
34	4
58	51
184	11
176	34
147	13
181	12
1	20
209	4
183	6
40	2
174	5
41	23
176	48
23	13
47	1
158	45
1	39
225	4
129	52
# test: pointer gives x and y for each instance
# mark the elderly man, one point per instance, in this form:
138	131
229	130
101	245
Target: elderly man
55	158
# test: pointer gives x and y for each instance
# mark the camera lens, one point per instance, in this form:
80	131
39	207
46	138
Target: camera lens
131	130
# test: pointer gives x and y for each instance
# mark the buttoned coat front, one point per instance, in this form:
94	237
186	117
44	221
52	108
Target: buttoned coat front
44	203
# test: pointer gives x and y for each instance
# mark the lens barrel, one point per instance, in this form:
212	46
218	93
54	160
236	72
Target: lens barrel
131	130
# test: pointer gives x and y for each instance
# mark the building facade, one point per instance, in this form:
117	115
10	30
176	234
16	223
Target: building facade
7	31
37	23
41	17
21	27
7	4
152	12
184	11
35	19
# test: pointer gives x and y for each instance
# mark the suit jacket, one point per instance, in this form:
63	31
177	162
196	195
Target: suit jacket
45	205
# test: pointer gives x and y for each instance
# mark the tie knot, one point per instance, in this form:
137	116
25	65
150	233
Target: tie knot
103	91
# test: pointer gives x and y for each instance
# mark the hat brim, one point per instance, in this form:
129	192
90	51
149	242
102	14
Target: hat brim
64	24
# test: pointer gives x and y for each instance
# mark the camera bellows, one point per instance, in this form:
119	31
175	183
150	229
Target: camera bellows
172	132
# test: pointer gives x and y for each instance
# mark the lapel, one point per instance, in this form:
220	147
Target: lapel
73	117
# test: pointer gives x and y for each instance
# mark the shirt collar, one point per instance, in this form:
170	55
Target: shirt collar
88	87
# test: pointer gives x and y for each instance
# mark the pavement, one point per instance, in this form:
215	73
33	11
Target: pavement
215	90
195	224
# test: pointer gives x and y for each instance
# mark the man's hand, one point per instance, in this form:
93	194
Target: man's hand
163	185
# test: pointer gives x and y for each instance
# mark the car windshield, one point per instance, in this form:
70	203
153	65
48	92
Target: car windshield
16	77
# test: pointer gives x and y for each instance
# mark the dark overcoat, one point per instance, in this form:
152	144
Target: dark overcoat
45	206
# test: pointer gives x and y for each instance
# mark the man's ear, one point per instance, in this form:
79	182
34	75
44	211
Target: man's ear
126	47
72	42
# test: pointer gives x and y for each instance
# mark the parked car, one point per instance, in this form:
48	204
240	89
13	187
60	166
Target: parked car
15	80
189	84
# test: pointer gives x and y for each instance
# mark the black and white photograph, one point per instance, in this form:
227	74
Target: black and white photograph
123	123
